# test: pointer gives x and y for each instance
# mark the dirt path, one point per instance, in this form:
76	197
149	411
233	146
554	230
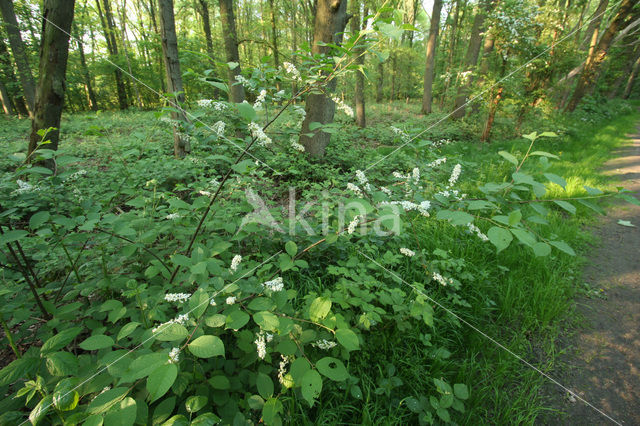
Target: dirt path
604	359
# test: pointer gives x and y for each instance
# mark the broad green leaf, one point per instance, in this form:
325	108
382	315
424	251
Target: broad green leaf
11	236
265	385
206	419
96	342
544	154
18	369
40	410
558	180
195	403
122	414
461	391
62	364
266	320
510	158
319	309
65	397
298	369
106	400
291	248
198	303
524	237
332	368
348	339
626	223
499	237
236	320
311	386
566	205
161	380
592	191
207	347
261	304
60	340
564	247
220	382
515	217
247	112
541	249
38	219
171	333
270	410
127	329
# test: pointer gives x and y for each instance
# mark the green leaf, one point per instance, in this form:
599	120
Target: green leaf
544	154
311	386
195	403
319	309
261	304
564	247
510	158
206	419
18	369
99	341
171	333
270	410
499	237
40	410
556	179
525	237
291	248
11	236
122	414
198	303
220	382
332	368
127	329
541	249
38	219
62	364
65	398
60	340
236	320
266	320
461	391
265	385
567	206
626	223
207	347
515	217
299	367
348	339
106	400
592	191
247	112
160	381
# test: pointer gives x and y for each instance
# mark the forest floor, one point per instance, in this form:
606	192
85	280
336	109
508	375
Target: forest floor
603	356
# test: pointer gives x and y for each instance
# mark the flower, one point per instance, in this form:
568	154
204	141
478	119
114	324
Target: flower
275	284
407	252
25	187
77	174
172	216
205	103
455	174
362	179
260	99
324	344
291	69
230	300
235	262
355	189
259	134
442	280
416	175
176	297
218	128
174	355
205	193
475	230
261	345
180	319
342	106
283	368
437	162
212	302
352	226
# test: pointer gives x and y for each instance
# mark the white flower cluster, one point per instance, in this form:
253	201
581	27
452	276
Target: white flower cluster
352	226
441	142
205	193
261	343
259	134
230	300
205	103
437	162
235	262
176	297
407	252
363	180
180	319
275	284
464	77
415	174
423	207
240	79
172	216
25	187
291	69
355	189
399	175
341	106
455	174
403	135
260	99
296	145
475	230
300	111
76	175
453	193
324	344
282	371
386	191
442	280
169	120
212	302
218	128
174	356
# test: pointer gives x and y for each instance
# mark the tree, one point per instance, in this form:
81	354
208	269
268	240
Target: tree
427	94
88	85
206	27
236	89
359	52
598	53
274	34
19	53
174	78
632	77
108	27
54	52
330	21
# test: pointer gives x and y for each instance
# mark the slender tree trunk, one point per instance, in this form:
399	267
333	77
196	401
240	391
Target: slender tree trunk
6	72
492	115
125	50
471	58
394	63
6	100
631	80
274	34
108	28
19	53
594	24
236	90
598	54
181	145
359	52
330	21
206	26
432	41
91	96
54	52
380	84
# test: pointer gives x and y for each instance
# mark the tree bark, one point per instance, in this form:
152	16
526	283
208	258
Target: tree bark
206	26
631	80
361	119
330	21
6	100
54	52
181	145
594	24
598	54
492	115
108	28
432	41
125	50
91	96
380	84
471	58
19	53
236	90
274	34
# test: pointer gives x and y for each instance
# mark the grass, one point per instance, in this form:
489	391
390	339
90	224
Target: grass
522	301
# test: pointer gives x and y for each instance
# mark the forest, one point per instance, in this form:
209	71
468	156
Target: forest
315	211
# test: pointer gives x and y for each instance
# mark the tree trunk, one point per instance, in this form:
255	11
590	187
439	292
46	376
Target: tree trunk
330	21
359	52
19	53
427	94
91	96
108	28
492	115
631	80
206	26
236	90
471	58
394	63
54	51
125	50
380	84
181	145
598	54
594	24
274	35
6	100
